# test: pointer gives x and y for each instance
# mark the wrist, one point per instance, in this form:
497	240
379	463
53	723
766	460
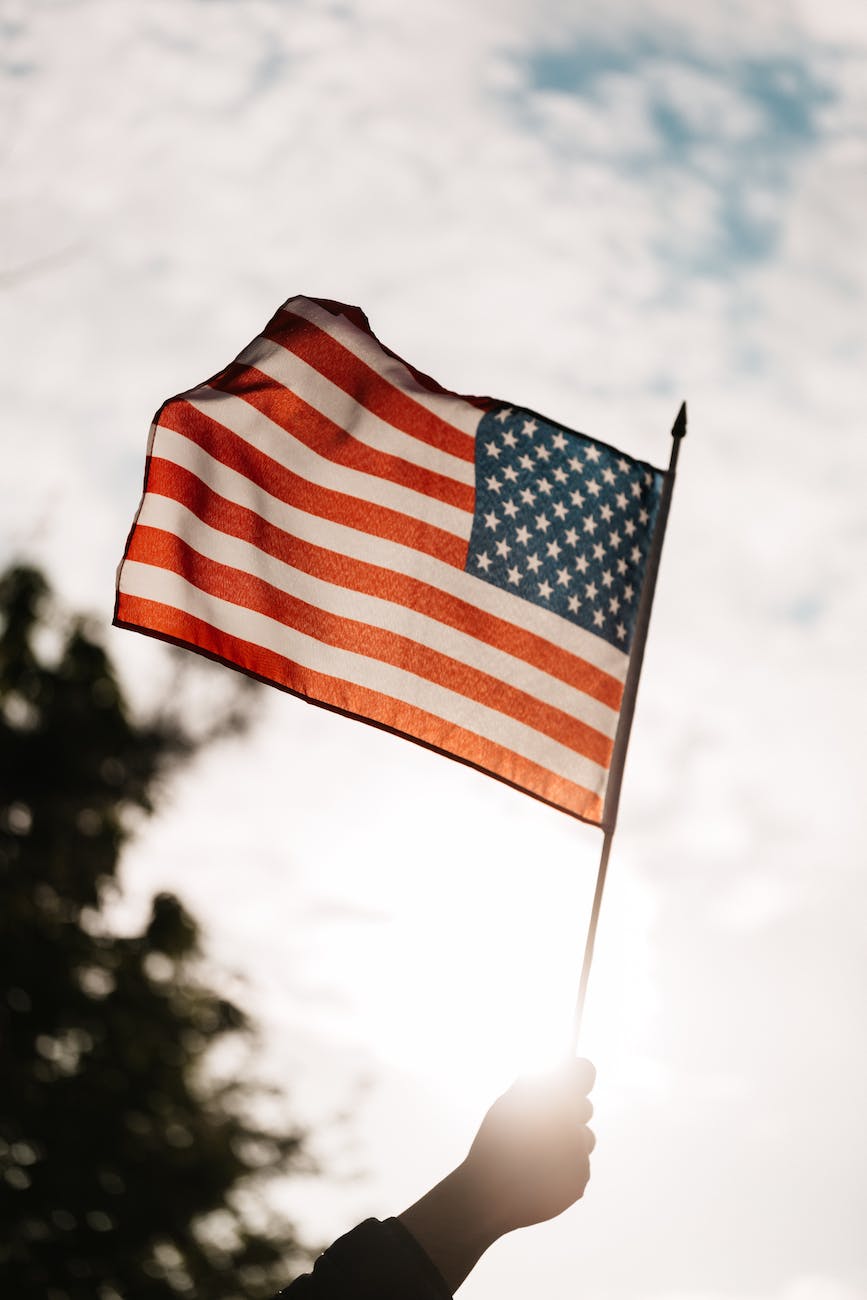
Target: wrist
476	1205
453	1224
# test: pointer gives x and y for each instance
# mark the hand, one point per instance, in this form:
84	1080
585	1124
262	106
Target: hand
529	1161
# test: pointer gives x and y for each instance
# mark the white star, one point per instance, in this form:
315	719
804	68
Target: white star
575	464
542	523
528	496
553	549
525	461
542	452
545	589
544	486
574	602
621	566
559	510
614	539
628	527
621	500
503	415
493	483
598	618
514	576
534	564
621	631
492	449
606	512
591	591
590	525
635	555
643	516
510	473
608	474
614	604
503	547
559	441
509	438
592	453
624	465
598	551
483	561
563	578
635	489
577	498
571	537
560	474
581	563
593	486
492	521
607	578
510	509
628	592
523	535
530	427
648	477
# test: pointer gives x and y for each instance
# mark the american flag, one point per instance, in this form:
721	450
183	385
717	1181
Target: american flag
463	572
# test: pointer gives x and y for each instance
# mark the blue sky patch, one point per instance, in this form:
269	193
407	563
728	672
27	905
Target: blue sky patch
783	95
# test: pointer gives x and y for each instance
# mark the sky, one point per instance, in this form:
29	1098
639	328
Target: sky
593	213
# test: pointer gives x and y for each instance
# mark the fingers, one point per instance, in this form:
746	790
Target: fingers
576	1079
584	1110
560	1095
583	1074
575	1075
583	1077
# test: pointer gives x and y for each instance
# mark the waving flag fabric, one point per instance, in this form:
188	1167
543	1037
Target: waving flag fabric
463	572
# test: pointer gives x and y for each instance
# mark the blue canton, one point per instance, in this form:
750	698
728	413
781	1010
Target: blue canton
563	521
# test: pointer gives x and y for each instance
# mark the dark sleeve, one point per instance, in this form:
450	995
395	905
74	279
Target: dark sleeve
378	1260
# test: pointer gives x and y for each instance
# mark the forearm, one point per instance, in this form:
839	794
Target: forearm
453	1224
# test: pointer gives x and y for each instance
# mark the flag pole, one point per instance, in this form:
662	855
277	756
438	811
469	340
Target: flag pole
630	690
591	939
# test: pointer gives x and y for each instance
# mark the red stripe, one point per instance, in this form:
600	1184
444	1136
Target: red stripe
367	705
362	382
170	480
357	317
332	441
326	503
166	551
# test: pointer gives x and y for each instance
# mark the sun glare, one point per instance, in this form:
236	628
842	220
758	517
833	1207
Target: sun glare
474	982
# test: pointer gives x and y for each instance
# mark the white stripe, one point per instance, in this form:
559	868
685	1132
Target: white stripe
449	407
169	515
285	368
150	583
260	432
392	556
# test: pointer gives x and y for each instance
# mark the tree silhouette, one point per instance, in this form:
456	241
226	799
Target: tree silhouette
125	1174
